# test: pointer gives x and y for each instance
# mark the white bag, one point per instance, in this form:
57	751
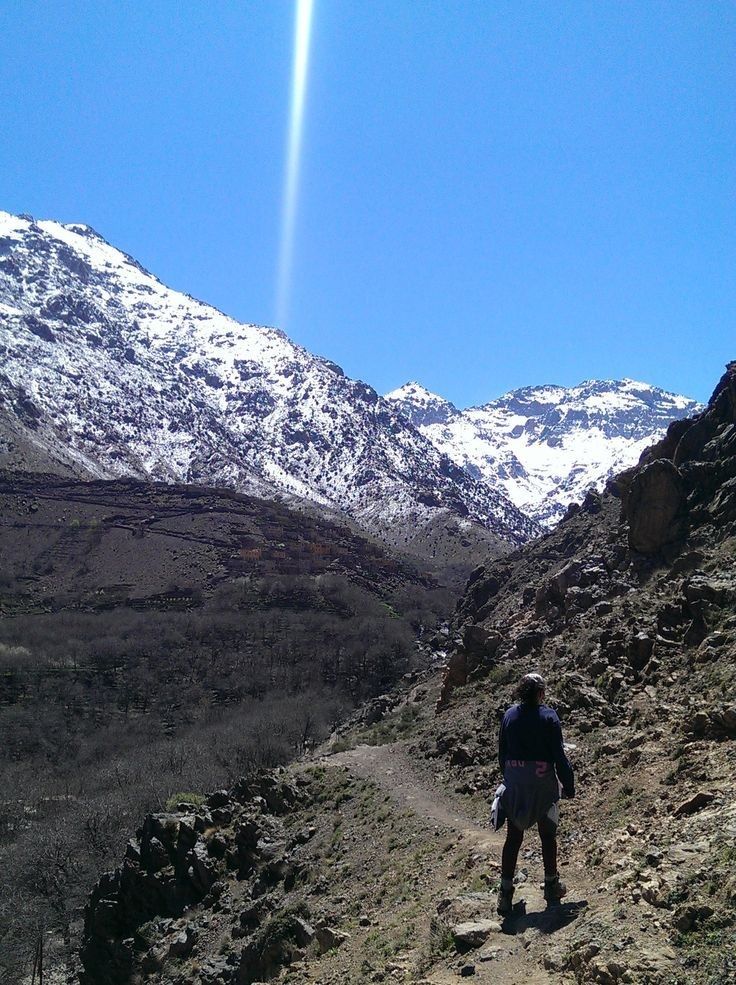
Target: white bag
498	815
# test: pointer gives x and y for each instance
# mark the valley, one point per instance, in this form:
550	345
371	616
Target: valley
370	859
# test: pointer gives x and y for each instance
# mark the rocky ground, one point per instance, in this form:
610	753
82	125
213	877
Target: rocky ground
372	860
377	863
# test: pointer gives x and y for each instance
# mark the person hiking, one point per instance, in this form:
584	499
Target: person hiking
534	764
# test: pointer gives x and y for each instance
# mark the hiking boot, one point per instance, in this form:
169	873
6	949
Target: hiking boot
505	898
554	889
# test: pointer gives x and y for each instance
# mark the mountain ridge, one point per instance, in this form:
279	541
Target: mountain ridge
107	372
546	445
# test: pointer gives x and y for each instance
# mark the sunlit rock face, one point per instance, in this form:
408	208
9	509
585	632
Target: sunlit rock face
545	446
106	372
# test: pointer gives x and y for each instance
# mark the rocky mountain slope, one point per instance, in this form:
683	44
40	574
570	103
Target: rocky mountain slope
545	446
106	372
373	861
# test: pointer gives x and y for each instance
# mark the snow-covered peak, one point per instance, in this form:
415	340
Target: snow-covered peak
546	445
591	396
421	406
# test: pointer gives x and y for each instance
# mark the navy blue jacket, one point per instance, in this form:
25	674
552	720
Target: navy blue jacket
533	732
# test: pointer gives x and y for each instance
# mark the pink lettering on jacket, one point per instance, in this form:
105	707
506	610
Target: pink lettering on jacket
541	768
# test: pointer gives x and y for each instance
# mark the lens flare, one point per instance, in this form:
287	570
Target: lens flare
302	34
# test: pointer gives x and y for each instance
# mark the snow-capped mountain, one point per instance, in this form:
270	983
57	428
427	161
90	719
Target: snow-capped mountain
545	446
106	372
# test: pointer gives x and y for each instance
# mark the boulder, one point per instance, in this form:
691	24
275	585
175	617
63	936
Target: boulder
481	642
462	756
219	798
304	932
329	938
182	943
723	720
156	855
688	915
202	869
529	641
640	650
656	508
693	804
555	588
473	933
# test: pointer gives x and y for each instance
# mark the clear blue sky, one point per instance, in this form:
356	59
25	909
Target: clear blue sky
492	194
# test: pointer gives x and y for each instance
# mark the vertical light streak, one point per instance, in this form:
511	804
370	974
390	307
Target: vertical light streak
302	33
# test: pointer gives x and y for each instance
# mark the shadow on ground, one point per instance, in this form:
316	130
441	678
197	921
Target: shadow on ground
545	921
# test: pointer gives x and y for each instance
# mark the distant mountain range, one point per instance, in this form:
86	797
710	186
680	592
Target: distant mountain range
545	446
106	372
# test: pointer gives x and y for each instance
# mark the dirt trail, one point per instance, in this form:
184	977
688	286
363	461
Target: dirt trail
391	768
525	937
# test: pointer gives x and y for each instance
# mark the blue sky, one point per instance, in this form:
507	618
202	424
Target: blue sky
492	195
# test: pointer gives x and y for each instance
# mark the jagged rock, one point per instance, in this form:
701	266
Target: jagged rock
218	798
156	855
329	938
481	642
723	720
304	932
639	650
376	709
656	508
699	723
455	675
577	692
278	793
530	641
693	804
554	590
182	944
221	816
688	915
462	756
465	908
159	830
556	959
579	600
154	959
202	869
214	971
480	591
696	631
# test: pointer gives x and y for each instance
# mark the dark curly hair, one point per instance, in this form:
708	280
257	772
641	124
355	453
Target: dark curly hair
529	689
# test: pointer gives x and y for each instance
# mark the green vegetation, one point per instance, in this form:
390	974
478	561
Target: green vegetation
197	799
392	728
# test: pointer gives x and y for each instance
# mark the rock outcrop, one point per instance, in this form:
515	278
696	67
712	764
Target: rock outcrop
141	916
656	508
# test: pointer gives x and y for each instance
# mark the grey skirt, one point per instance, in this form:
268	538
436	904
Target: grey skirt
532	792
